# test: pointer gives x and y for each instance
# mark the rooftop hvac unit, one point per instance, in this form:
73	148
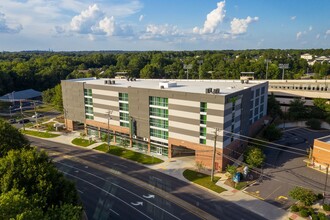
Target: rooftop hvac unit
210	90
109	82
105	81
162	87
113	82
216	91
206	90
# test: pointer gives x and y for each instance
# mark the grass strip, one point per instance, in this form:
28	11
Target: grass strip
40	134
82	142
129	154
203	180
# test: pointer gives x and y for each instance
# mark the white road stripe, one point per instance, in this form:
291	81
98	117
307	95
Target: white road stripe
122	188
114	212
106	192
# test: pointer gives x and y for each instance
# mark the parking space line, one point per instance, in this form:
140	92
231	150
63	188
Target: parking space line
273	192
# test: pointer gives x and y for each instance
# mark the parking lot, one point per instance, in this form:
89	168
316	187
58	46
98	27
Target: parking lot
285	168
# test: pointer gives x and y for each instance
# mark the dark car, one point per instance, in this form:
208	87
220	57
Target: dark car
25	120
12	121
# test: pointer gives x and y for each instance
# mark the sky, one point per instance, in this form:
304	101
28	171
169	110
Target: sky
140	25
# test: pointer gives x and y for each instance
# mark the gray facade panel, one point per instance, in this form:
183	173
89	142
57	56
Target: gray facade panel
105	116
73	100
215	112
110	98
184	131
184	108
107	107
184	120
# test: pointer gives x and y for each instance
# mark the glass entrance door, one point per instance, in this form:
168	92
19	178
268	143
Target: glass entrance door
159	150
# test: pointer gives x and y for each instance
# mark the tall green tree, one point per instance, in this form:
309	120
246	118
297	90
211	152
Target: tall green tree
273	106
33	173
11	139
297	109
254	157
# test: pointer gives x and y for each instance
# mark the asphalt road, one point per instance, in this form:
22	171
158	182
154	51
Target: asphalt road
106	194
284	170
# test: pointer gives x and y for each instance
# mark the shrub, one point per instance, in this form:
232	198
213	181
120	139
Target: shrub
294	208
310	211
272	133
326	207
319	196
314	123
231	169
305	196
315	216
322	216
304	212
254	157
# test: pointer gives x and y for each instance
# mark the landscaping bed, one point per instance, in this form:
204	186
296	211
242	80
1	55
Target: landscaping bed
39	134
129	154
203	180
82	142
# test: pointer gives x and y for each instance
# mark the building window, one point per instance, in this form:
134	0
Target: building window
159	133
88	92
88	110
91	117
124	124
203	107
155	122
262	90
158	112
123	97
124	116
158	101
123	106
203	119
202	141
202	131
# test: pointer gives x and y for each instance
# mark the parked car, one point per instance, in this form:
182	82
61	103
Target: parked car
24	120
37	115
12	121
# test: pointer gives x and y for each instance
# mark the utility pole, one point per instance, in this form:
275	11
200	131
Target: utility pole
283	67
109	117
21	107
35	113
214	150
326	182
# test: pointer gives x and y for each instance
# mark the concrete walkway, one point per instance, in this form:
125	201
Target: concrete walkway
175	167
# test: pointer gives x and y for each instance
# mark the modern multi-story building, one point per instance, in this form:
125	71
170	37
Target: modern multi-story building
169	118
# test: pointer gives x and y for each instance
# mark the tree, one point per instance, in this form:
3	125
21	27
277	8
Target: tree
297	109
305	196
57	100
231	169
11	138
33	172
314	123
273	107
272	133
254	157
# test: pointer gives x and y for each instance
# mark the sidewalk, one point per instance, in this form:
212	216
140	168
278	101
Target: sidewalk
175	167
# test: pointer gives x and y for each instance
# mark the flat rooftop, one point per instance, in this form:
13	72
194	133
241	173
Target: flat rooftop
193	86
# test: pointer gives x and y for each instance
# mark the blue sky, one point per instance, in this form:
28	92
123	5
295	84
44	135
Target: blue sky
65	25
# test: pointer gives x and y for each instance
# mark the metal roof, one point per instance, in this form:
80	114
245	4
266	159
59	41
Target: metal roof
20	95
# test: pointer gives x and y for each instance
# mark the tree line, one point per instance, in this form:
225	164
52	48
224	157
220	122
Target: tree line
44	70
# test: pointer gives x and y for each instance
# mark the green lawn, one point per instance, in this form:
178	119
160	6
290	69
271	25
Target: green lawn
203	180
82	142
40	134
129	154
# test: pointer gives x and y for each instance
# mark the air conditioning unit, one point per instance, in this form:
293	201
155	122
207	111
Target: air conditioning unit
145	139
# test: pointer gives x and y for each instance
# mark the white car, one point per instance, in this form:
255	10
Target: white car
37	115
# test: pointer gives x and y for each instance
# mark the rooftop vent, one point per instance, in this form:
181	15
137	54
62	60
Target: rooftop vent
216	91
167	85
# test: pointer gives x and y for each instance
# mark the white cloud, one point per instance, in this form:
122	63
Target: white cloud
310	28
298	35
293	18
141	17
107	25
213	19
327	32
161	32
318	36
5	27
239	26
84	22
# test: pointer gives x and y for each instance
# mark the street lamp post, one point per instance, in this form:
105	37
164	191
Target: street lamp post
109	117
267	61
200	65
283	67
187	67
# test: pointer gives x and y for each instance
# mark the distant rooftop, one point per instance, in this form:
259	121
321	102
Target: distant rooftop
193	86
21	95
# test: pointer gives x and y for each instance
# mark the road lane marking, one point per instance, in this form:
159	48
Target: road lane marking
273	192
92	184
148	201
114	212
150	196
137	203
80	191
